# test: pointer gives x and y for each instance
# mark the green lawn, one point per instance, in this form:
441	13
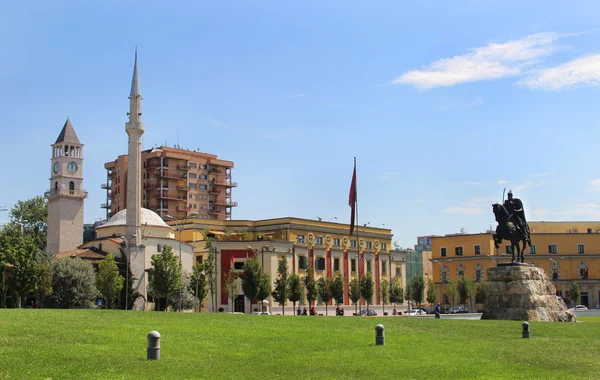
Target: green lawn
104	344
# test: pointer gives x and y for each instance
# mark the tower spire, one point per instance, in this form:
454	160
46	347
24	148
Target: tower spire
135	81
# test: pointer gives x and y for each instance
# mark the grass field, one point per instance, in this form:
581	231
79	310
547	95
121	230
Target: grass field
104	344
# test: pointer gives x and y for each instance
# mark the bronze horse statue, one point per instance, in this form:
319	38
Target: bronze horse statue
506	230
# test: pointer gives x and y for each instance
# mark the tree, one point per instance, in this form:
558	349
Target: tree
452	290
280	294
310	285
431	296
211	273
574	292
198	284
73	283
32	215
295	289
232	286
464	287
188	301
418	289
251	279
384	293
366	288
337	288
396	291
165	274
480	292
108	280
324	285
129	293
43	285
408	294
354	290
264	289
21	265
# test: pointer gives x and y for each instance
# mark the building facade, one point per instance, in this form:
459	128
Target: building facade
175	182
303	242
567	251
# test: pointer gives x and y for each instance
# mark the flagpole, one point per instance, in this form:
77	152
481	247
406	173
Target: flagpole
357	239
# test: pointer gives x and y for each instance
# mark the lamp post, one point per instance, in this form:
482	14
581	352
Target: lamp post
201	273
179	224
127	270
21	224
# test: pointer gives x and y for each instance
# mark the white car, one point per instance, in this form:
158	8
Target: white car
579	308
417	311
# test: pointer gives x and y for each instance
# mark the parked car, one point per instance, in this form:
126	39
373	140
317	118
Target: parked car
457	310
368	313
579	308
417	311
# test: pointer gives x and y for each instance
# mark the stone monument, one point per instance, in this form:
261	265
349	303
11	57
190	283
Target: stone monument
523	292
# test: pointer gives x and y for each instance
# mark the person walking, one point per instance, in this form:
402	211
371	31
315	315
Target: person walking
437	311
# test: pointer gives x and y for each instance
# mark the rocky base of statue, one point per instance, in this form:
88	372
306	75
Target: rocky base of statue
521	292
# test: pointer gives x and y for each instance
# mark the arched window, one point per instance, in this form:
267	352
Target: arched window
56	185
555	270
71	187
461	271
444	273
478	275
583	270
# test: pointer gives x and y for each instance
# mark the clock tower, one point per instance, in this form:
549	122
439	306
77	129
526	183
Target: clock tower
66	194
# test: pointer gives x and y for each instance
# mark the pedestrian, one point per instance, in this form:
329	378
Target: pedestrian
304	311
298	311
394	312
437	311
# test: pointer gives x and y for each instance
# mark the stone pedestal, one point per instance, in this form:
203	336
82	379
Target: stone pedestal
523	292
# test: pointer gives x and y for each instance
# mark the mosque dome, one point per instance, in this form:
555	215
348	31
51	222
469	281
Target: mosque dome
148	218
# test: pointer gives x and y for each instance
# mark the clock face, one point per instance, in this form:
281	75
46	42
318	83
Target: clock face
56	167
72	167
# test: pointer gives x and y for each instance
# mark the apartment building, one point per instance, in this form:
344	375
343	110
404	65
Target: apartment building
175	182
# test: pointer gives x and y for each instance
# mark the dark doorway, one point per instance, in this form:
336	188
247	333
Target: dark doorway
584	299
238	306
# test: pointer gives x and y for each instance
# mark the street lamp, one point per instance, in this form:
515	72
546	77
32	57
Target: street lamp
127	271
262	253
179	224
21	224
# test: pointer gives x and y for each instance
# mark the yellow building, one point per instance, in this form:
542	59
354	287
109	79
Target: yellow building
567	251
324	244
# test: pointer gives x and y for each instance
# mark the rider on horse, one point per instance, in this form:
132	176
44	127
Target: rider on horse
514	206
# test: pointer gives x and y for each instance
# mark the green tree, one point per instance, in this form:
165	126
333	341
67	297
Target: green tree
384	293
367	288
324	285
211	272
264	289
188	301
43	285
108	280
73	283
310	285
481	292
295	289
280	294
199	285
574	292
396	291
464	287
251	273
418	289
408	294
431	297
337	288
129	292
452	291
354	292
165	275
232	286
32	215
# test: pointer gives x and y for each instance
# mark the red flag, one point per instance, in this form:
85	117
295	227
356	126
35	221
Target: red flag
352	199
232	262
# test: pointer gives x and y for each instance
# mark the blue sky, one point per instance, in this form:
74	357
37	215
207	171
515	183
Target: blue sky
443	105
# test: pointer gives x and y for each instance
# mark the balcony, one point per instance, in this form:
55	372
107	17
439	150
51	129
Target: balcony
154	186
182	188
110	172
104	186
66	193
105	205
183	208
167	174
224	183
225	202
156	165
171	196
183	167
214	211
213	190
214	171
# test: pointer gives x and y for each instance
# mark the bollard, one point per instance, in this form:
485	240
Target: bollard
153	346
379	335
526	330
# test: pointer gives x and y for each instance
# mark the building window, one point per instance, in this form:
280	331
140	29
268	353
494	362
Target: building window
336	264
383	246
580	248
509	249
369	266
192	165
532	249
336	242
461	273
159	248
398	271
320	240
202	166
352	243
203	176
192	185
443	252
199	260
478	275
320	263
478	250
302	262
71	187
238	265
458	251
192	175
203	187
353	265
369	245
383	267
552	248
300	239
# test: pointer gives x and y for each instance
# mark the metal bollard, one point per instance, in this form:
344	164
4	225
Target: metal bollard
379	335
525	329
153	346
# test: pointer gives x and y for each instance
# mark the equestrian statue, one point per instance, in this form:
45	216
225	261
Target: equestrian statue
512	226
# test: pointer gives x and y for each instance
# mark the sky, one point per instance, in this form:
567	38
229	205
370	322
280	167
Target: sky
443	104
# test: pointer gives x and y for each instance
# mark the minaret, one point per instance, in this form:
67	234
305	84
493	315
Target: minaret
135	130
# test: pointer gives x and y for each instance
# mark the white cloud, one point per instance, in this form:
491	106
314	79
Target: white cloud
464	210
530	184
488	62
595	184
584	71
589	211
502	182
